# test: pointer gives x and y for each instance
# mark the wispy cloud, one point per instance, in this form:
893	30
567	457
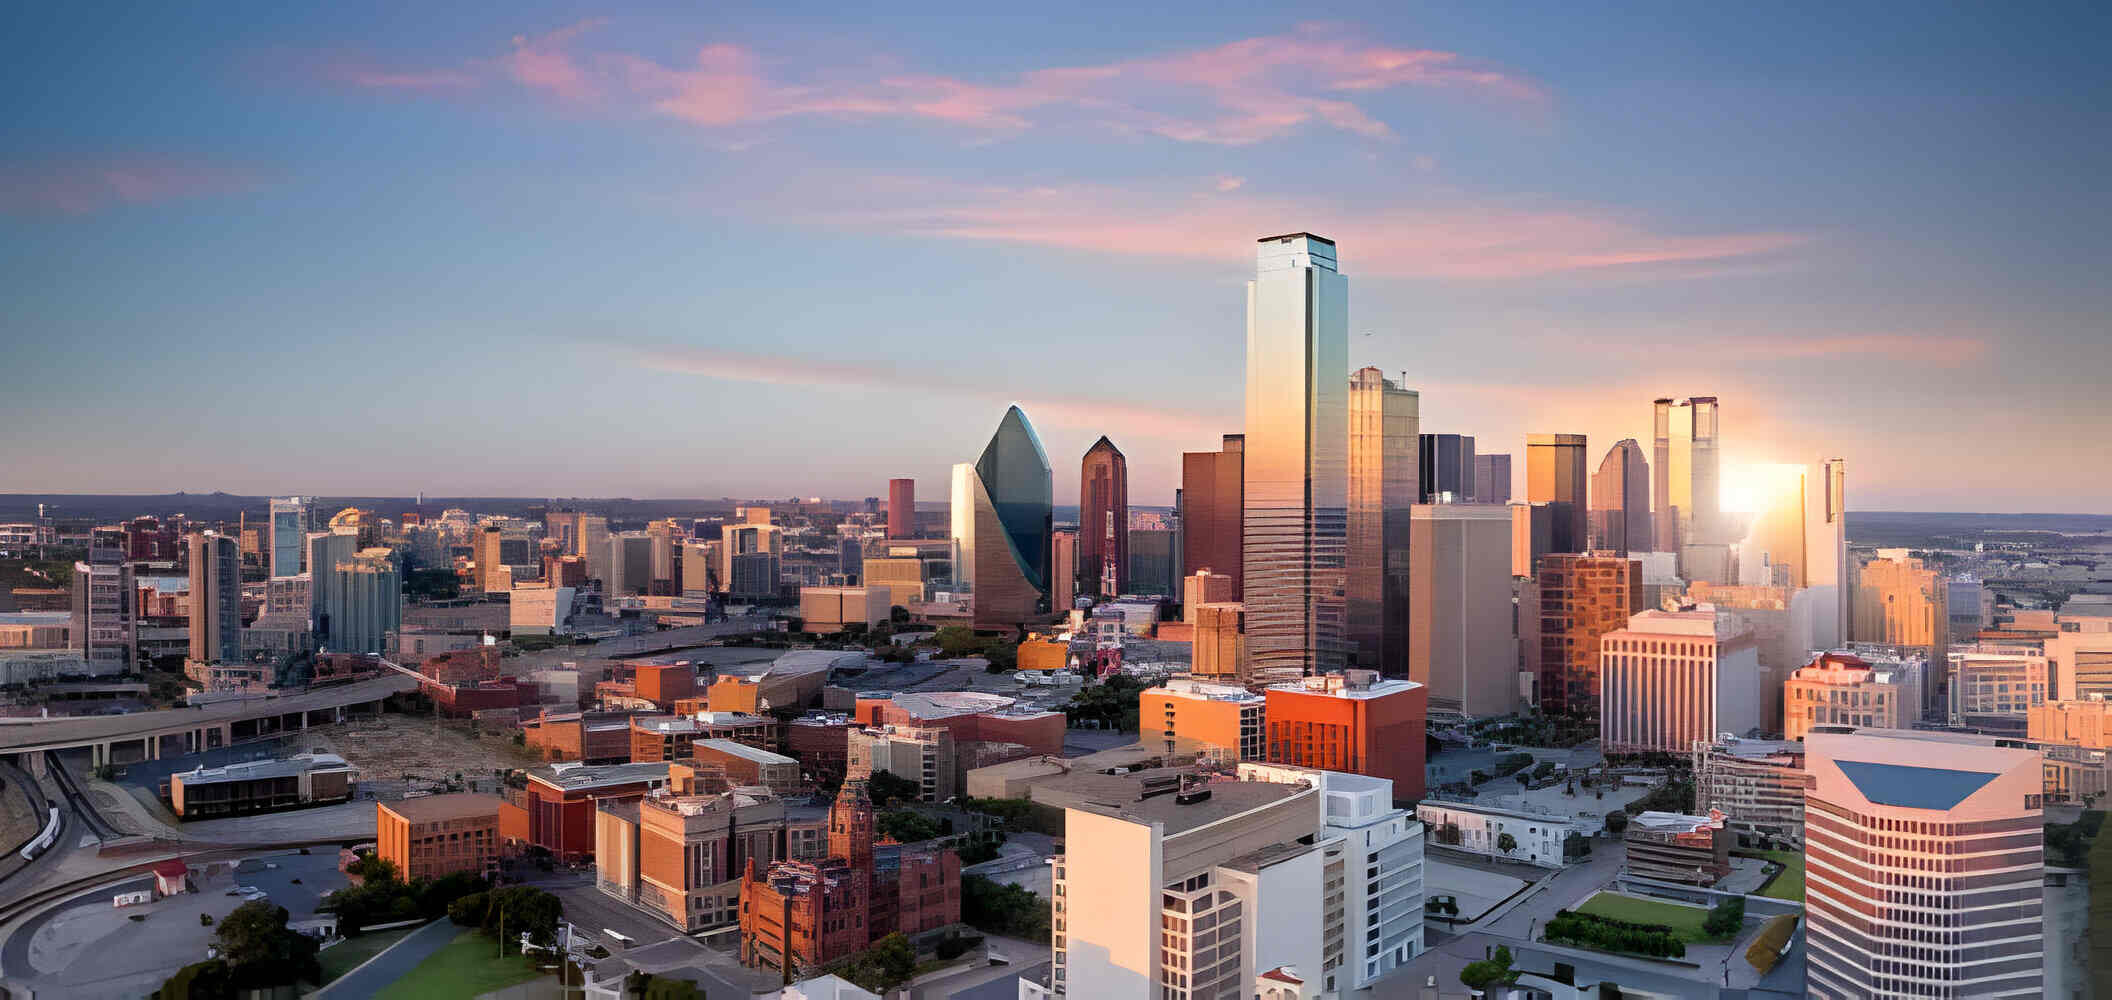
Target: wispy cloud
545	62
360	74
84	187
1067	410
1457	236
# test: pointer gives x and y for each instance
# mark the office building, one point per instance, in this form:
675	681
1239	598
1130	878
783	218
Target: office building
1446	470
924	755
1220	645
1532	535
1620	501
678	852
1758	784
289	532
1674	678
1555	475
903	576
1103	521
901	508
1994	686
1460	635
1581	598
1354	721
326	549
1675	847
1002	510
1685	475
1492	478
2085	723
1153	557
752	539
630	564
556	810
1843	689
2081	662
1187	714
1206	587
746	765
1900	602
833	609
261	785
1827	569
437	835
1063	570
216	598
491	564
1213	505
1924	866
365	602
1174	886
1296	456
104	624
1383	434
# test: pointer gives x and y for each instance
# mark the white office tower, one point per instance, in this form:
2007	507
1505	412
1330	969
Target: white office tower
1924	868
1297	457
1826	549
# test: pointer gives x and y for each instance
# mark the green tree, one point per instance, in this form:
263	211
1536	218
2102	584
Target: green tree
1002	908
1616	821
1489	971
885	966
470	910
1506	843
885	787
261	951
906	826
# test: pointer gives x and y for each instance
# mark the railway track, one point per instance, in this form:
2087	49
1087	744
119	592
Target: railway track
16	908
78	799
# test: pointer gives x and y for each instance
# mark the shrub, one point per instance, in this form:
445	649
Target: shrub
1725	918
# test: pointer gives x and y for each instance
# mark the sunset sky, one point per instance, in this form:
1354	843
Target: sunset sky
728	249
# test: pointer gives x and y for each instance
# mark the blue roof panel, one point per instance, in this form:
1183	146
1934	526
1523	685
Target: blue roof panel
1913	787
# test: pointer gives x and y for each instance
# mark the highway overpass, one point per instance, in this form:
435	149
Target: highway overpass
122	739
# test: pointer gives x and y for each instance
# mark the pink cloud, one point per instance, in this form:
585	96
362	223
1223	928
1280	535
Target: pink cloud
88	187
365	76
543	62
1460	238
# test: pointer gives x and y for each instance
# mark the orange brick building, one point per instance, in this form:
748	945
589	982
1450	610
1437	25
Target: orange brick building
556	811
663	683
1354	721
746	765
1184	713
589	737
735	694
439	834
661	737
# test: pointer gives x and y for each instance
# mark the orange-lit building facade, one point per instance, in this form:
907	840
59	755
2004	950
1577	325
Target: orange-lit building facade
1582	597
555	811
1353	721
663	683
1212	508
1184	712
1843	689
439	835
2086	724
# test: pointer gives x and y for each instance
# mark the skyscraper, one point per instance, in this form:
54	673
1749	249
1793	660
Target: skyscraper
1620	501
1826	548
1901	602
1459	596
325	550
1001	511
366	602
1492	478
1063	570
216	598
901	508
1684	490
1582	597
289	531
1212	508
1383	441
105	615
1926	863
486	554
1297	443
1447	471
1103	521
1554	475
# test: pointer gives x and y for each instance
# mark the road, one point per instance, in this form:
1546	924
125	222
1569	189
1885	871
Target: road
382	971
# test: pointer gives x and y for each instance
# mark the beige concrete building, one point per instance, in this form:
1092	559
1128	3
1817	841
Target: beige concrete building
2083	723
1206	586
1994	686
1899	602
1220	644
1461	642
923	754
1843	689
828	610
1675	678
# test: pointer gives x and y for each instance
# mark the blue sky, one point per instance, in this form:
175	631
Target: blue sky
672	251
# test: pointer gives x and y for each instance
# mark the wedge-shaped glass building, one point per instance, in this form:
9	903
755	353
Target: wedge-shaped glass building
1001	526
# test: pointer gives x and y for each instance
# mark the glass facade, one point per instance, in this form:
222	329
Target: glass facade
1002	509
1448	472
1383	420
1296	455
1620	501
1685	490
1103	521
289	527
1554	475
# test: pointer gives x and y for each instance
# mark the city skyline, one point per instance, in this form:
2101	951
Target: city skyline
1534	255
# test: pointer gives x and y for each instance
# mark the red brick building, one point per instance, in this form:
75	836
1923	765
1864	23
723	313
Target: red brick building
438	835
556	811
821	743
587	737
663	683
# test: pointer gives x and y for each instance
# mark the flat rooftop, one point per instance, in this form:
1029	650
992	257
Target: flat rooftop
575	776
440	808
745	752
256	769
1118	795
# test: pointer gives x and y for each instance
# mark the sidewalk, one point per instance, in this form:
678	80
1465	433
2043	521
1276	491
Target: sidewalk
376	974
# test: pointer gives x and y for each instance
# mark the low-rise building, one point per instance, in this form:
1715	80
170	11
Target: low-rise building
587	737
821	742
661	737
1674	847
1757	784
261	786
678	852
1355	722
1993	686
921	754
1844	689
828	610
436	835
2082	723
1534	837
555	811
747	765
1185	711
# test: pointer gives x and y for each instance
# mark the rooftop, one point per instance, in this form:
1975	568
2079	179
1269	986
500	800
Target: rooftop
437	808
1349	684
574	776
255	769
1189	687
1914	787
745	752
1670	822
1119	795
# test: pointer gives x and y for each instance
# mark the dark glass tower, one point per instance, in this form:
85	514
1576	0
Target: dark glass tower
1103	521
1002	509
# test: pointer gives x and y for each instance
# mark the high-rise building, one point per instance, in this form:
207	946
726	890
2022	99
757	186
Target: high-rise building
289	531
490	563
630	564
901	508
1383	440
1532	535
1002	506
1151	555
1826	551
1620	501
365	602
1460	638
216	598
1354	721
1582	597
1492	478
1220	645
764	544
1297	443
1447	471
1843	689
593	542
325	550
1212	508
1063	570
1103	521
1205	587
1672	678
1900	602
1685	485
105	616
1555	475
1924	866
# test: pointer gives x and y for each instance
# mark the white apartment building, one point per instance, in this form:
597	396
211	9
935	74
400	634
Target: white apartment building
1924	855
1477	828
1675	678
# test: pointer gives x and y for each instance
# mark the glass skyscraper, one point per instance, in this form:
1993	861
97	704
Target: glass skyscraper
1554	475
1620	501
1296	456
289	532
1103	521
1002	507
1684	470
1383	418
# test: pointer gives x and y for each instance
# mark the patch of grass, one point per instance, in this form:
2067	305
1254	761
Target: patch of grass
468	966
1685	921
1787	883
341	958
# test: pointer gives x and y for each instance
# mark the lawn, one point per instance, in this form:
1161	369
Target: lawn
341	958
1684	920
1787	883
468	966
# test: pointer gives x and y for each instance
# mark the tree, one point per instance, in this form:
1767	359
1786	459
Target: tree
260	950
521	909
1489	971
958	640
1506	843
885	966
1725	918
906	826
469	911
1616	821
1002	908
885	787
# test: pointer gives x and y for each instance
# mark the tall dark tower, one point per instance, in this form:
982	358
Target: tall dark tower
1103	521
